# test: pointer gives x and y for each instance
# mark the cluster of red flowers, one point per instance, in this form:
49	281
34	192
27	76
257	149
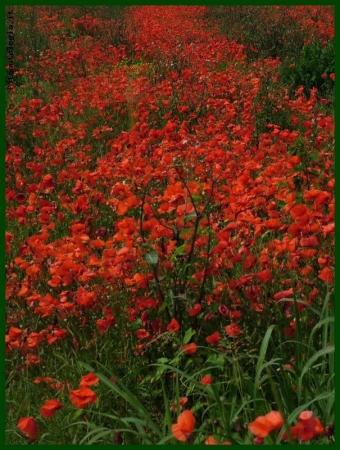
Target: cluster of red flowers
252	187
307	428
80	398
159	164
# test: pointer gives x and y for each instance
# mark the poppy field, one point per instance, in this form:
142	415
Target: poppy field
170	225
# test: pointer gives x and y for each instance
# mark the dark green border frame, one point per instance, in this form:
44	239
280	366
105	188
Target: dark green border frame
2	163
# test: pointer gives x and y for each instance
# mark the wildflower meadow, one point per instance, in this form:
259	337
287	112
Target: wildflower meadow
170	225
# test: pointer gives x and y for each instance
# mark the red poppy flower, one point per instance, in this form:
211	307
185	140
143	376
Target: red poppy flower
223	310
29	427
14	333
190	349
264	425
234	315
308	427
50	407
103	325
32	359
271	224
326	275
184	427
43	379
233	330
173	326
195	310
82	397
206	380
213	338
311	241
298	210
264	276
48	181
142	333
89	380
212	441
282	294
20	198
182	402
209	317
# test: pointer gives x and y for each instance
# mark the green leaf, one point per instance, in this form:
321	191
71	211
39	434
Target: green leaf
216	359
188	335
96	434
190	216
165	439
136	324
152	257
178	251
162	360
193	280
186	231
77	414
122	391
323	323
312	360
165	304
260	363
314	156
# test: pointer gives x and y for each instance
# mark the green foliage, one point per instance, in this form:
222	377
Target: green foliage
308	68
269	110
186	267
258	28
243	386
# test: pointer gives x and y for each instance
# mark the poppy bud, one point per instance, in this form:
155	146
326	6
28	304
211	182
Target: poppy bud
329	430
118	439
102	231
223	310
238	425
209	316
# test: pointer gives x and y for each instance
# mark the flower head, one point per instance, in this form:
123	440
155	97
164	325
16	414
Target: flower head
49	408
195	310
212	441
184	427
182	402
206	380
308	427
29	427
89	380
213	338
173	326
264	425
82	397
190	349
233	330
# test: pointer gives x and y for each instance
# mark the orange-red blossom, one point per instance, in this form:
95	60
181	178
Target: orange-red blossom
82	397
264	425
212	441
184	427
308	427
49	408
29	427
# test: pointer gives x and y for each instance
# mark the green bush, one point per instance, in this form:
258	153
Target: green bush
311	69
265	31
